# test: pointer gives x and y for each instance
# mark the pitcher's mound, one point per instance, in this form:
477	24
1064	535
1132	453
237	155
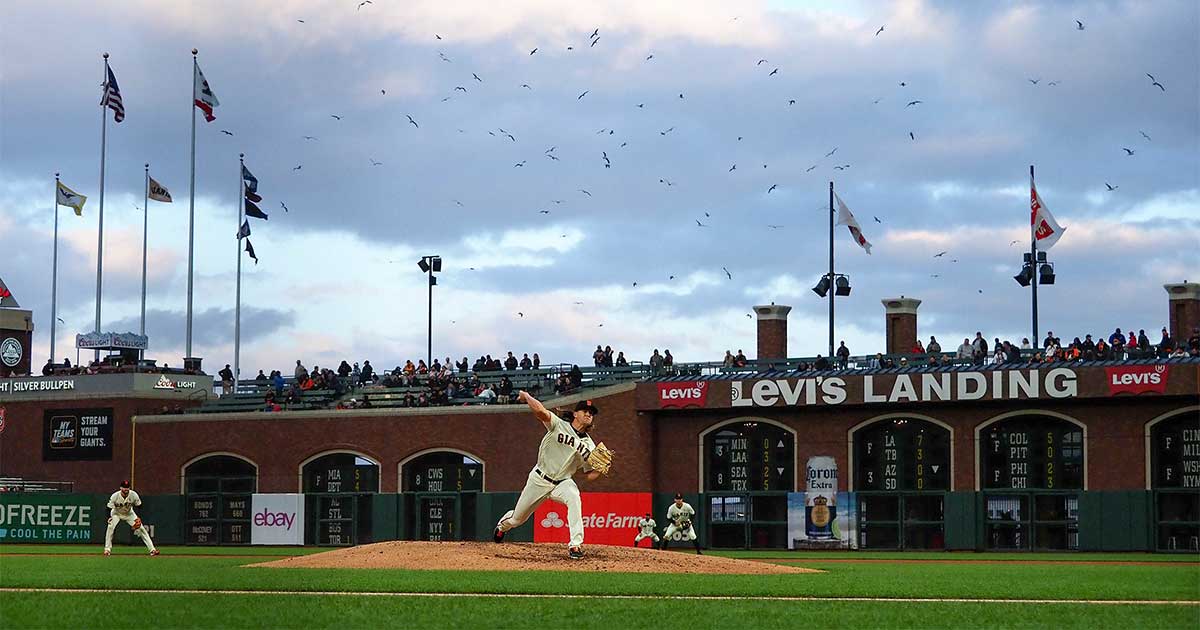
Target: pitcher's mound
487	556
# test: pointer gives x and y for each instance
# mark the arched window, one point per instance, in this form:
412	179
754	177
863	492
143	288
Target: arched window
340	486
1175	479
901	473
217	494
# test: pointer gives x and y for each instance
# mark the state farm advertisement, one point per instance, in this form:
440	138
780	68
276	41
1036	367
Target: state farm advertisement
1137	379
609	518
682	395
277	519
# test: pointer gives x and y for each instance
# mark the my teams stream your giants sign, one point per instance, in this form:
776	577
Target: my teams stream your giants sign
609	518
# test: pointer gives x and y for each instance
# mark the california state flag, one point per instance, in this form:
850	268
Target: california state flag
1046	231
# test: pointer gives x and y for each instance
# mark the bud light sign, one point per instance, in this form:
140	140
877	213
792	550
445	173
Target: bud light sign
277	519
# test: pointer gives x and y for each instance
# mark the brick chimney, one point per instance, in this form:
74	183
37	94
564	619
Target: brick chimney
1184	304
772	331
901	323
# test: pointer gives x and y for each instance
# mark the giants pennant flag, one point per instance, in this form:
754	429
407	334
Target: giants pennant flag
158	192
112	96
845	217
205	99
1046	231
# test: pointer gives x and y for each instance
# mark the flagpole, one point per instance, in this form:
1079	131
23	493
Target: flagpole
237	308
145	240
191	216
100	231
1033	264
54	272
831	285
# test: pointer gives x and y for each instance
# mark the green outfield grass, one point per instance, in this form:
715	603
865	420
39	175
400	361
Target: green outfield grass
194	568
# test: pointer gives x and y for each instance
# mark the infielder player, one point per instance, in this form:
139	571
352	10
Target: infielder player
121	505
646	528
679	519
565	449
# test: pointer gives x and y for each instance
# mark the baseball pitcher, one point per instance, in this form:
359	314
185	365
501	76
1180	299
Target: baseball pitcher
565	449
679	519
120	506
646	528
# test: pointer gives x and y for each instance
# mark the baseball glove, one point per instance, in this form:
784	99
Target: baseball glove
685	525
137	523
601	459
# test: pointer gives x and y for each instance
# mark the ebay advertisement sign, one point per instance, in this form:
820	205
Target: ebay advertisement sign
277	519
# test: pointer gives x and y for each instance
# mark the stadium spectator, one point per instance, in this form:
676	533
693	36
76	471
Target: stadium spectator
1165	345
656	362
269	404
1143	343
537	361
740	359
668	362
344	369
367	375
1025	345
621	360
1193	342
1050	339
598	356
934	347
821	363
917	347
226	375
487	394
576	376
608	356
511	362
965	351
562	385
505	391
300	372
1088	348
462	366
355	372
727	362
1178	353
1103	351
979	348
843	354
526	362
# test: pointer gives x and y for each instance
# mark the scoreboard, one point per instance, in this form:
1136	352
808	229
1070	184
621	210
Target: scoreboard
335	520
1176	456
443	471
218	519
341	472
1033	453
748	457
902	455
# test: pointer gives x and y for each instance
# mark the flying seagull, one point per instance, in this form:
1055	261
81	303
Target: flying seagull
519	164
443	57
309	137
410	119
360	4
336	116
910	135
830	154
699	224
226	132
911	103
666	131
300	21
298	167
1079	25
374	163
476	77
773	227
284	206
585	192
761	62
727	273
543	212
1144	134
939	254
526	86
732	168
879	31
1111	187
459	87
791	101
520	314
582	95
594	41
533	51
877	219
774	72
649	57
810	169
842	167
1127	151
773	186
1034	81
595	33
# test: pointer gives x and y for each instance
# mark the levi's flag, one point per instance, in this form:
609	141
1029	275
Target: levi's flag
250	250
158	192
846	218
244	231
205	99
112	96
71	199
253	211
1046	231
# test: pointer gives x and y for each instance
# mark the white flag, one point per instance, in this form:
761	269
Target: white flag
1046	231
845	217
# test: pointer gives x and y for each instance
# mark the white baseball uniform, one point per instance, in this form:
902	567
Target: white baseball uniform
677	516
563	451
646	528
121	509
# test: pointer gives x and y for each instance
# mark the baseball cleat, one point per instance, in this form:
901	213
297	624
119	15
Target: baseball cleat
154	552
575	553
107	552
498	535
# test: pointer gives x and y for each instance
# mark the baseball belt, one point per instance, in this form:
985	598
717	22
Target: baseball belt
543	476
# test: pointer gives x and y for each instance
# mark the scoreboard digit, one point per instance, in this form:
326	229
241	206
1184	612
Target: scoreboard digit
748	457
1033	453
444	471
902	455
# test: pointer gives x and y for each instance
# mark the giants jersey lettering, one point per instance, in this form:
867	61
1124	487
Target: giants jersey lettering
563	450
647	525
680	514
122	506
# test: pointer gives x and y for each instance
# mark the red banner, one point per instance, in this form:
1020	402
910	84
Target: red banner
609	518
1137	379
681	395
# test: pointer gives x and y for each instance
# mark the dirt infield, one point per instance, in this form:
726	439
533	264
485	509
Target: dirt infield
485	556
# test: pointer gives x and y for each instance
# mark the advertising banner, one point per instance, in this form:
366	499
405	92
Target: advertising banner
47	518
682	395
277	519
609	518
1137	379
841	521
77	435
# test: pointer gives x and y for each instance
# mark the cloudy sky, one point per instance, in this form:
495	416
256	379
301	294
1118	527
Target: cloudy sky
677	94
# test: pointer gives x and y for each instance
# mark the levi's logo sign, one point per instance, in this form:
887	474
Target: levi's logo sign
1137	379
680	395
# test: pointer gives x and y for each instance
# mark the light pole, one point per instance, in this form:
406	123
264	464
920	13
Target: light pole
430	264
1035	270
838	281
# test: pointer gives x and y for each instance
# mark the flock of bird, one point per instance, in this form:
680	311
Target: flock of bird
607	160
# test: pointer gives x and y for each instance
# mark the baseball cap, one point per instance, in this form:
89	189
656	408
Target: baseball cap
586	405
678	496
125	483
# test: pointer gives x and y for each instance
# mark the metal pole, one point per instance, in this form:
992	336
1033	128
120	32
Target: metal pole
1033	262
831	285
191	213
145	240
429	333
237	309
100	231
54	281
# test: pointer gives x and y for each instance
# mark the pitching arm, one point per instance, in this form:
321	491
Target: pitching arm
539	410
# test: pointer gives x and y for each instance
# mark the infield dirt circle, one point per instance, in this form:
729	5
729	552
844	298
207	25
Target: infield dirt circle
485	556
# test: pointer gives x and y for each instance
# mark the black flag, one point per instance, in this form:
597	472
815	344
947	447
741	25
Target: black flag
253	211
244	231
250	250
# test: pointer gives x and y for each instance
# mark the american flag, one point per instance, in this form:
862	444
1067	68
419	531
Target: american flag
112	97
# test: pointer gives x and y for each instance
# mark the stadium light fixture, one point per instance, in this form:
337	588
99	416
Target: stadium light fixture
1025	277
1046	273
429	265
822	287
842	286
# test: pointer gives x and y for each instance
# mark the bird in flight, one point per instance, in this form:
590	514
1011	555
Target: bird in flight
733	168
444	57
641	105
830	154
298	167
510	137
666	131
594	41
410	119
284	206
383	92
911	103
459	87
526	86
749	315
903	84
910	135
1078	25
552	157
761	62
1160	86
1128	152
595	33
1111	187
437	36
791	101
476	77
532	51
699	224
582	95
300	21
1011	243
876	219
335	116
520	314
666	181
585	192
650	56
842	167
773	227
360	4
309	137
773	187
227	132
1052	83
519	164
879	31
1034	81
543	211
727	273
1144	134
681	95
607	162
939	254
460	204
810	169
774	72
374	163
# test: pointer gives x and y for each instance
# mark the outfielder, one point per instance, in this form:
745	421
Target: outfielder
565	449
646	530
121	505
679	519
